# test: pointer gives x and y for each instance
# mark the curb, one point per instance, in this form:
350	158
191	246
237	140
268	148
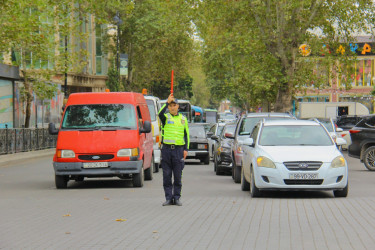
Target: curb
26	155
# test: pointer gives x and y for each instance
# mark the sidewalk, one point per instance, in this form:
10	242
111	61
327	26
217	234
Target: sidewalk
26	155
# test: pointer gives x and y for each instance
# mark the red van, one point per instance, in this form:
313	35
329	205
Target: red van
104	135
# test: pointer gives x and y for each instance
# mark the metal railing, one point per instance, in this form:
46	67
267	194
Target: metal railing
15	140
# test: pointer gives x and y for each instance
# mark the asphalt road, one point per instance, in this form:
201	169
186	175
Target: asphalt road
216	214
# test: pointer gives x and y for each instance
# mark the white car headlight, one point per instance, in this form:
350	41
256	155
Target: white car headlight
339	161
66	153
265	162
127	152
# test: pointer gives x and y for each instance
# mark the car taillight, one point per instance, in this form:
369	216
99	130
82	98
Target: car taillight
354	131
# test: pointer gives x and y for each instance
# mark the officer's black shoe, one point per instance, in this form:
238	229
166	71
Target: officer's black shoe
168	203
177	202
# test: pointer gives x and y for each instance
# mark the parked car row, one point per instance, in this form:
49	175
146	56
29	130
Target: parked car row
275	151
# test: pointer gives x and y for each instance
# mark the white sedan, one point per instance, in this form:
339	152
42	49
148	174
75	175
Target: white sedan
293	155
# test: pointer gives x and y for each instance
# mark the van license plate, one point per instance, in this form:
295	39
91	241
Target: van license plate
303	176
95	164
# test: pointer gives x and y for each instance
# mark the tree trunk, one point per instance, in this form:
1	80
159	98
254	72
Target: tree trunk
28	99
283	99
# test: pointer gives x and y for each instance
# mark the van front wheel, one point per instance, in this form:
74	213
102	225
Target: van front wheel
61	181
138	179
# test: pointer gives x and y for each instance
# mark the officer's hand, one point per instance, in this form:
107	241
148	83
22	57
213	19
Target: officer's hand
170	98
185	154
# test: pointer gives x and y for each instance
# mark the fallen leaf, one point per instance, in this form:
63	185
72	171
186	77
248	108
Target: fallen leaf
120	220
67	232
67	215
105	198
154	232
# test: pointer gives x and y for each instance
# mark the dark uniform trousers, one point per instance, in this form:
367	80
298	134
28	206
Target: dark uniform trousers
172	161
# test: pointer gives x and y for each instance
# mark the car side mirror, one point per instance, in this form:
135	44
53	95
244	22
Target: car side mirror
215	137
339	130
146	127
210	134
229	135
248	142
340	141
52	129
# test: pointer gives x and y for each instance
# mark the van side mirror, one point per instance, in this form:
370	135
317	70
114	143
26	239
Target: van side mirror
146	127
52	129
210	134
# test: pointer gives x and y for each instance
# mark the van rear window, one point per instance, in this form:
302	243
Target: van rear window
100	116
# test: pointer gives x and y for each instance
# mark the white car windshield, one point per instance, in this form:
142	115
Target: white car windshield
294	135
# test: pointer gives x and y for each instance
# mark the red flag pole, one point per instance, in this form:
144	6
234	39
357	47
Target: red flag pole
172	82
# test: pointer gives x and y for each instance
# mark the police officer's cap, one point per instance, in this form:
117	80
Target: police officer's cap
174	101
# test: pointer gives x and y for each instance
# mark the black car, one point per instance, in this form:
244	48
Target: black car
198	143
222	152
363	141
346	122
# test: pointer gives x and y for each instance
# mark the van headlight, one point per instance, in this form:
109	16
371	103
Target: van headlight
127	152
64	153
265	162
339	161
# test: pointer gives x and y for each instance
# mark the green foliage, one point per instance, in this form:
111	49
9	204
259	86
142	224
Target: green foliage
35	32
183	88
251	47
113	83
156	35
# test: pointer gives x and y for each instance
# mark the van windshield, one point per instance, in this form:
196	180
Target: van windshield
96	116
151	108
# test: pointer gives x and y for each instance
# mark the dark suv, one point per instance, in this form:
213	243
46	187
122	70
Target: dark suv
363	141
346	122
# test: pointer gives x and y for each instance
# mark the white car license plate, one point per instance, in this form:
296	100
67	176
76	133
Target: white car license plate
190	153
95	164
303	176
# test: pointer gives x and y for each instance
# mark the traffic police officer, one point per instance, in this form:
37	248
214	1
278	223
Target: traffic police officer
175	140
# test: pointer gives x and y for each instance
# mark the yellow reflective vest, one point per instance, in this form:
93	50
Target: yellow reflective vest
174	130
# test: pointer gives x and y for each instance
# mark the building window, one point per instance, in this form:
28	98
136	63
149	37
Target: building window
367	73
98	52
359	73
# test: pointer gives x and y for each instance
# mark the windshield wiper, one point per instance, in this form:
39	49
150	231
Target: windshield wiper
110	128
81	129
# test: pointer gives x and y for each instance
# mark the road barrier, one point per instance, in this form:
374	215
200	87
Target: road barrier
15	140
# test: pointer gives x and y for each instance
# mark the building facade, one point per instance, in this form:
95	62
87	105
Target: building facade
90	78
361	81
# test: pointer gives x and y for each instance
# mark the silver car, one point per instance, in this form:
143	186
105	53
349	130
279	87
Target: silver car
243	129
293	155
